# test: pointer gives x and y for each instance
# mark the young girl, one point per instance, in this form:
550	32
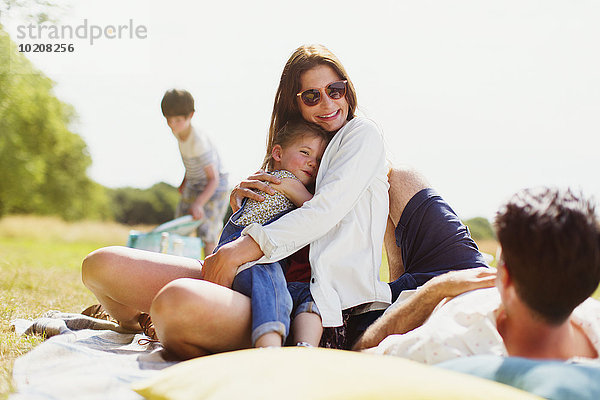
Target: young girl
294	159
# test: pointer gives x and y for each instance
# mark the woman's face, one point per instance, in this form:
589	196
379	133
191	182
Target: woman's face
330	114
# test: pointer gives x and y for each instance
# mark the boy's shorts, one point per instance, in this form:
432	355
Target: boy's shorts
214	212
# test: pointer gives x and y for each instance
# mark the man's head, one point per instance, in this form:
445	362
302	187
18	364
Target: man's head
178	108
550	243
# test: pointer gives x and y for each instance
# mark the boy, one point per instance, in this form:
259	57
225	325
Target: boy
204	188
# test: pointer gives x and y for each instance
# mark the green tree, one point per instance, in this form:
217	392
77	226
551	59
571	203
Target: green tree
42	163
144	206
480	228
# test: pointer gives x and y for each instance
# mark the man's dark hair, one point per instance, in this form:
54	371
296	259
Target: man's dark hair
177	102
550	242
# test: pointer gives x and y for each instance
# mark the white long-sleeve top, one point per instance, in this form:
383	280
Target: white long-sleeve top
344	223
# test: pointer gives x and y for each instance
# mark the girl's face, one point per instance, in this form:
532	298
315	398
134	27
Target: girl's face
301	158
330	114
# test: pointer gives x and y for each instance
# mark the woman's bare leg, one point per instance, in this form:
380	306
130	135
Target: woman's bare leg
126	280
194	318
404	184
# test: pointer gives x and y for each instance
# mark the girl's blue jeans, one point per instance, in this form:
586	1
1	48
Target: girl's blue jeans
265	284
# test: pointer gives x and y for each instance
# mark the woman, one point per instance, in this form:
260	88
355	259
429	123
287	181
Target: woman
345	223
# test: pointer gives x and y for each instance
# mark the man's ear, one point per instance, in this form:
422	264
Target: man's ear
191	115
276	153
503	274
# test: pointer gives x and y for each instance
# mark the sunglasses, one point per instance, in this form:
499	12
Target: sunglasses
335	91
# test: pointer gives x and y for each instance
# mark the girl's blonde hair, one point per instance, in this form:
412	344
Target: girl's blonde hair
290	133
285	107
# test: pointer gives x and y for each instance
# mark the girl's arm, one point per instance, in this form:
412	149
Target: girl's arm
294	190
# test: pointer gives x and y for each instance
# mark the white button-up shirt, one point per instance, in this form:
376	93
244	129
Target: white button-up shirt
466	326
344	223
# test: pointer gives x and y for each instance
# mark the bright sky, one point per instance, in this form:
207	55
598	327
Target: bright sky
483	97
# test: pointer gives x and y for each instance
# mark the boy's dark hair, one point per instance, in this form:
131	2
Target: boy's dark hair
550	242
294	130
177	102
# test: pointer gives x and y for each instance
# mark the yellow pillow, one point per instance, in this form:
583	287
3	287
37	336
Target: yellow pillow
301	373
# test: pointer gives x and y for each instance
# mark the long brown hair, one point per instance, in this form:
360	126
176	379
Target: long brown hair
285	107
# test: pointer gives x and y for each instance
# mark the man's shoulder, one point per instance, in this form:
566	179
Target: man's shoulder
463	326
475	301
590	308
591	302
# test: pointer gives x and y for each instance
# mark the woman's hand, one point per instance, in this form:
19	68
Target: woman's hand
221	267
244	189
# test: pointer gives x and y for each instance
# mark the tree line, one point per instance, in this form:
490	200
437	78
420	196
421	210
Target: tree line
43	164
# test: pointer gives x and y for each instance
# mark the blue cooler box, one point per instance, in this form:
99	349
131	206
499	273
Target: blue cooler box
169	238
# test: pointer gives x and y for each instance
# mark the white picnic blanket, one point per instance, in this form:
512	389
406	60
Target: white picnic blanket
84	364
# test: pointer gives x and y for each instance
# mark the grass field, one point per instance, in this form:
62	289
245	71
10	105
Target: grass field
40	268
40	271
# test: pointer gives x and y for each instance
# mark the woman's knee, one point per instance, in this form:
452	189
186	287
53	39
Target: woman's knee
193	317
97	265
167	300
175	323
170	309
